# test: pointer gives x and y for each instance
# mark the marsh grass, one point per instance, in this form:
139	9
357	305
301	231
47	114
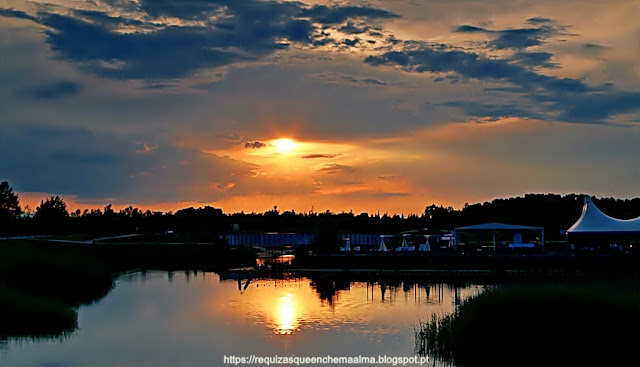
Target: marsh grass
41	288
536	325
27	315
43	283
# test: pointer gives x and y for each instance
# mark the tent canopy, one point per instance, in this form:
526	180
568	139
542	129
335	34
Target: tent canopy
496	227
593	221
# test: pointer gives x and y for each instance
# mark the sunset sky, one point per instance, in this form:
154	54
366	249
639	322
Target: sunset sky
378	105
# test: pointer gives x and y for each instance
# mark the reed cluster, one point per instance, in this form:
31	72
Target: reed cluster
536	325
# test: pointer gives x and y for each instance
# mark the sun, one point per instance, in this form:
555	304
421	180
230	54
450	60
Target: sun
284	145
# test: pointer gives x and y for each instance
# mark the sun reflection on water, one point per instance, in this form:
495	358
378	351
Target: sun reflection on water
286	315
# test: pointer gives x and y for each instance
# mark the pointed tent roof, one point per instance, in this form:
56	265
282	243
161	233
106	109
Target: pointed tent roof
383	246
593	221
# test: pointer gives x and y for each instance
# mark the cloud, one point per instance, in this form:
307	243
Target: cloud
208	33
351	28
54	90
351	42
12	13
95	166
340	14
566	99
388	177
315	156
192	9
534	59
439	59
166	53
254	144
593	47
597	107
519	38
538	20
492	110
363	81
333	168
146	148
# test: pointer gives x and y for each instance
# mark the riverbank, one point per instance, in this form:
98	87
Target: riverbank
491	266
43	283
535	325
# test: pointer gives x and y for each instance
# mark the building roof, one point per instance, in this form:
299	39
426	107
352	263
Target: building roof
496	226
593	221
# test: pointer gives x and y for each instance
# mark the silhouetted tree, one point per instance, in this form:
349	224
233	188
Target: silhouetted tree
9	205
9	201
52	213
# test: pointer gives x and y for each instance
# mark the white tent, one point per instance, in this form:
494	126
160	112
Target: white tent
405	246
425	246
593	221
383	246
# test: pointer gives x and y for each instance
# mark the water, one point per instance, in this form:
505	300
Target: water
189	319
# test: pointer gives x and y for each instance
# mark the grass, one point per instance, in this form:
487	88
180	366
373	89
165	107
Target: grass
42	283
41	288
536	325
28	315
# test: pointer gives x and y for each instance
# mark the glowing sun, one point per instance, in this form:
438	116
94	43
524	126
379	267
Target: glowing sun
284	145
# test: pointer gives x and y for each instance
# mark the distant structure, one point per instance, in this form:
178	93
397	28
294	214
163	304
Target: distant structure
362	239
236	238
593	222
596	228
269	239
495	228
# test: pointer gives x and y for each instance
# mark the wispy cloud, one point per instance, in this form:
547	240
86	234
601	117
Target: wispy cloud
316	156
333	168
54	90
518	38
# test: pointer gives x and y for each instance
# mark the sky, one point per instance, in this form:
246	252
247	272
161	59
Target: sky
363	106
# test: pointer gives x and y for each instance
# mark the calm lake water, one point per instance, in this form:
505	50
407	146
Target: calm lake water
189	319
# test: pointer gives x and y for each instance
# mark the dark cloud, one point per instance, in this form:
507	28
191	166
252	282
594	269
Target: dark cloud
373	81
254	144
191	9
54	90
95	165
597	107
470	29
493	111
565	99
166	53
350	28
12	13
365	81
315	156
351	42
333	168
339	14
593	47
534	59
324	42
519	38
473	66
538	20
232	31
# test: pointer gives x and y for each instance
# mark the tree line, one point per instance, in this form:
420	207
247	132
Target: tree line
552	211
